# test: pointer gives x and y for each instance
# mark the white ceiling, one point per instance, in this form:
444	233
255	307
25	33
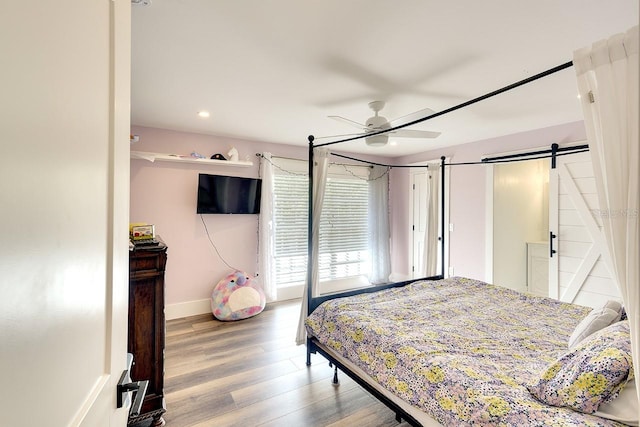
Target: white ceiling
273	70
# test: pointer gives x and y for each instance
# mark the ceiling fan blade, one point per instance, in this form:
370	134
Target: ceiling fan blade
425	112
349	122
337	136
411	133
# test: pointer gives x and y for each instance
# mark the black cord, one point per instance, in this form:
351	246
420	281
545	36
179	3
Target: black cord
214	246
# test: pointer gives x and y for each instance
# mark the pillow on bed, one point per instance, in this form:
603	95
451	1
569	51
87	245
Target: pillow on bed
615	306
598	318
591	373
623	408
623	314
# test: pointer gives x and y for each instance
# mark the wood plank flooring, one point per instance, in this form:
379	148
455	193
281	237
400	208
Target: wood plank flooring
250	373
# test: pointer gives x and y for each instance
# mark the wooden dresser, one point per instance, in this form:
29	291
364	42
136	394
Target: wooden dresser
147	328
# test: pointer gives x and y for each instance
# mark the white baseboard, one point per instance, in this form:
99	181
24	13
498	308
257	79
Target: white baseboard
399	277
186	309
290	292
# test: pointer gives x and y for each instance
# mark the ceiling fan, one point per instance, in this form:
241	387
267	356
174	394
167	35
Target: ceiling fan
378	123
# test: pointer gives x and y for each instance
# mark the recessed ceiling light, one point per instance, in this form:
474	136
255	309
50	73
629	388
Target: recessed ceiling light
203	114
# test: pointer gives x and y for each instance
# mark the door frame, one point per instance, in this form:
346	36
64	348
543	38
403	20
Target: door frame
447	230
489	200
100	406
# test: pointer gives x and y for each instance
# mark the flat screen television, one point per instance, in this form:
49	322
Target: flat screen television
219	194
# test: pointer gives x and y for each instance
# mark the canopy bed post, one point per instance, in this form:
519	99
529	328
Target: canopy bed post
309	240
442	217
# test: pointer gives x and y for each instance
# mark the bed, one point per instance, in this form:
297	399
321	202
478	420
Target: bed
459	351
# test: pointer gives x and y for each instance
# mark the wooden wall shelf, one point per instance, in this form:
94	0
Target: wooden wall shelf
178	158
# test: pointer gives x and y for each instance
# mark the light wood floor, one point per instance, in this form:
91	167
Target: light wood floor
250	373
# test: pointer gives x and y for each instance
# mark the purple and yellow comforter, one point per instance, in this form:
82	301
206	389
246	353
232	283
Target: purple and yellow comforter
459	349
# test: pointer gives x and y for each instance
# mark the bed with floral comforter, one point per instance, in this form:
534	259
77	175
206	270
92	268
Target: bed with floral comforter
461	350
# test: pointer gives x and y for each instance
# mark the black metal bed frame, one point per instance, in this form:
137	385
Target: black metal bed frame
314	302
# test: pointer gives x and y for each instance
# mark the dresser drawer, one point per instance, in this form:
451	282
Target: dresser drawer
148	262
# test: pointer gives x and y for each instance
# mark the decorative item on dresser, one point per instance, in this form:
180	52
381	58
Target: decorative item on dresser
147	327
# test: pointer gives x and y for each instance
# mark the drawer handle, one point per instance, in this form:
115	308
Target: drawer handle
551	250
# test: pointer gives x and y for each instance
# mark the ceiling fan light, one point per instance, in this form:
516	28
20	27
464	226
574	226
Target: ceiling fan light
377	140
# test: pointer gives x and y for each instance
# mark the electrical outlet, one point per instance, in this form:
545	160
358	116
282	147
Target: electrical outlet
450	271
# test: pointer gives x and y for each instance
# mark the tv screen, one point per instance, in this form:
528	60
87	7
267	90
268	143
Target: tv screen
218	194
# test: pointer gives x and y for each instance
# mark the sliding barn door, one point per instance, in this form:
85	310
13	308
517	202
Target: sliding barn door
579	266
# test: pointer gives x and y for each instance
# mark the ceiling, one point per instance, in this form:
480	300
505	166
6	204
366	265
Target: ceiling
274	70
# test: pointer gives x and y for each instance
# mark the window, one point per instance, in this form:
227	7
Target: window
343	246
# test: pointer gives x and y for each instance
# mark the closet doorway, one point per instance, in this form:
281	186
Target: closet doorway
520	222
418	208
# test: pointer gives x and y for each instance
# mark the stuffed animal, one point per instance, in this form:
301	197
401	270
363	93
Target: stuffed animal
233	154
237	296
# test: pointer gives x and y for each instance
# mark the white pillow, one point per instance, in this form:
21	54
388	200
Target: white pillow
623	408
598	318
614	305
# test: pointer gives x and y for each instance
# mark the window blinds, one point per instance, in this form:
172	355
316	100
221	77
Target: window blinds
343	242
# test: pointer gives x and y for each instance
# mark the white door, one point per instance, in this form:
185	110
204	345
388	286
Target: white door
64	178
419	192
419	223
578	269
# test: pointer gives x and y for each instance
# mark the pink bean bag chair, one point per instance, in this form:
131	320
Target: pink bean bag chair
237	296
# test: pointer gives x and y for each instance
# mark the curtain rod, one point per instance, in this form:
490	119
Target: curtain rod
456	107
278	157
533	155
530	155
379	164
333	154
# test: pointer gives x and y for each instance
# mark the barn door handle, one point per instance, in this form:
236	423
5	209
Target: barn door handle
551	250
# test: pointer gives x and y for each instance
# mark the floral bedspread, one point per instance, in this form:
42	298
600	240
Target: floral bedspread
459	349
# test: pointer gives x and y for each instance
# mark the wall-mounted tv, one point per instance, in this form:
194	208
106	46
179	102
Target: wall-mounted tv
219	194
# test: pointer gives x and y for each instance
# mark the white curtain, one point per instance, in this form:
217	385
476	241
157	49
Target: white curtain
430	253
320	168
265	229
607	74
379	249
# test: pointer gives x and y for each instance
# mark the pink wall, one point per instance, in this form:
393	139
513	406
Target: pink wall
467	195
164	194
